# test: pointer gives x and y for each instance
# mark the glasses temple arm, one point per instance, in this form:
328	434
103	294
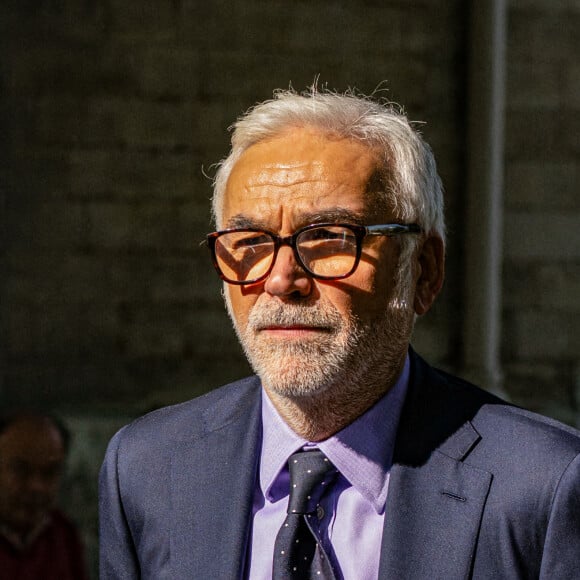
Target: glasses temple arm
392	229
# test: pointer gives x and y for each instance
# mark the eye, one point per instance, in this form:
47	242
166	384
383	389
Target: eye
250	240
323	234
329	234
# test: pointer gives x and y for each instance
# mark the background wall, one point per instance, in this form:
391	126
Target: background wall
112	114
541	338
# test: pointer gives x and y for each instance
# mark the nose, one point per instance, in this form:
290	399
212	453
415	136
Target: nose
287	276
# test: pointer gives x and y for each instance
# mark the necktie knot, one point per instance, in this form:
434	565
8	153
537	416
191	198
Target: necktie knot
311	473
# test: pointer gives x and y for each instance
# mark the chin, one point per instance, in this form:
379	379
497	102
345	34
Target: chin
293	389
295	377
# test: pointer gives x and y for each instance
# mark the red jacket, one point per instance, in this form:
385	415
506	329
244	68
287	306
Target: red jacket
56	554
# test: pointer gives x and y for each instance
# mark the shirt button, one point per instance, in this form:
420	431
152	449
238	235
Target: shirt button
319	512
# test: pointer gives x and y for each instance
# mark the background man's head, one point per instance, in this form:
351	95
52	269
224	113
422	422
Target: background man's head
32	455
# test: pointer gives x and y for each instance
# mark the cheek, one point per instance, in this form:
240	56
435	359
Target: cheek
377	269
240	302
347	298
368	306
371	290
371	300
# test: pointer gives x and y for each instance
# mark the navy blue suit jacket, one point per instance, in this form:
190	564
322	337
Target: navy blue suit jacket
479	489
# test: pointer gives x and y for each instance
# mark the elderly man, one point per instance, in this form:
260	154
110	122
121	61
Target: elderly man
37	541
347	456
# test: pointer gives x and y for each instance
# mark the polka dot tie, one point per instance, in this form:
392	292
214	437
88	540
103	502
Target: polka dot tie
298	553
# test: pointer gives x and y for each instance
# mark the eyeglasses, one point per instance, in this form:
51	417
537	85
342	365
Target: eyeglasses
324	251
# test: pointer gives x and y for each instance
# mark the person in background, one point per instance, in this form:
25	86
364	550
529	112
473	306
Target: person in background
347	456
37	541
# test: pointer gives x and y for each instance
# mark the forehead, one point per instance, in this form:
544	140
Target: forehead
303	171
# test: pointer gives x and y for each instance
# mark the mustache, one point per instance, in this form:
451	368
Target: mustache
273	314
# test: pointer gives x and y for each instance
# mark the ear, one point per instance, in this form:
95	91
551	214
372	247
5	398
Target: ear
431	266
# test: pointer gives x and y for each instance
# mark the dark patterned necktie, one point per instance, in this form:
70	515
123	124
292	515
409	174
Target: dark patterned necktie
298	553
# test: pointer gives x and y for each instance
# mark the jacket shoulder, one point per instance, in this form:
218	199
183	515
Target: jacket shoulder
523	433
193	418
439	404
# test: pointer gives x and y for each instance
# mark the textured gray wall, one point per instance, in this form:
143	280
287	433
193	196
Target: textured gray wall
541	332
113	110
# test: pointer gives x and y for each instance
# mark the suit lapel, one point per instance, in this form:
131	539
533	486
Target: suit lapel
212	481
432	519
435	500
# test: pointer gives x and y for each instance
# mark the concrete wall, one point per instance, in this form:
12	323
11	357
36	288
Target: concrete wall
541	338
113	111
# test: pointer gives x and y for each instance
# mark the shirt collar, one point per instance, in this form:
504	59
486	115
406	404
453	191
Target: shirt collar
362	451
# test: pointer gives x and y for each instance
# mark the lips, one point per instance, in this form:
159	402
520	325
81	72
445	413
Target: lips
304	327
292	331
292	321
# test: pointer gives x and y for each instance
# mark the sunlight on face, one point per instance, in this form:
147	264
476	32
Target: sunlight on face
304	336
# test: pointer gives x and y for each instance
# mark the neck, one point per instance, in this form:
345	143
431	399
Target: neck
319	416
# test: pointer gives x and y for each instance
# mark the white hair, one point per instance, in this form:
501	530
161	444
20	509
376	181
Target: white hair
412	187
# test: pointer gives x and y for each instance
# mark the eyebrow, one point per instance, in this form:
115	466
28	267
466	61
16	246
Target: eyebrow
333	215
242	221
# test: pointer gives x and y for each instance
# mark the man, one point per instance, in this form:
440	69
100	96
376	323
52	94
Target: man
37	541
330	242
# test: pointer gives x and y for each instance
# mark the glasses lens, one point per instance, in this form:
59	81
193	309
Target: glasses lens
244	255
328	251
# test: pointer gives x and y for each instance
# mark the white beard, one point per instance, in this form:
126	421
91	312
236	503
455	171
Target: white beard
349	356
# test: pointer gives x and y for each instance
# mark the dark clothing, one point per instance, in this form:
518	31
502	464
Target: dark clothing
479	489
55	554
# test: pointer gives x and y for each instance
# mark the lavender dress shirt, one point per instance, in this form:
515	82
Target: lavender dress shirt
353	512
